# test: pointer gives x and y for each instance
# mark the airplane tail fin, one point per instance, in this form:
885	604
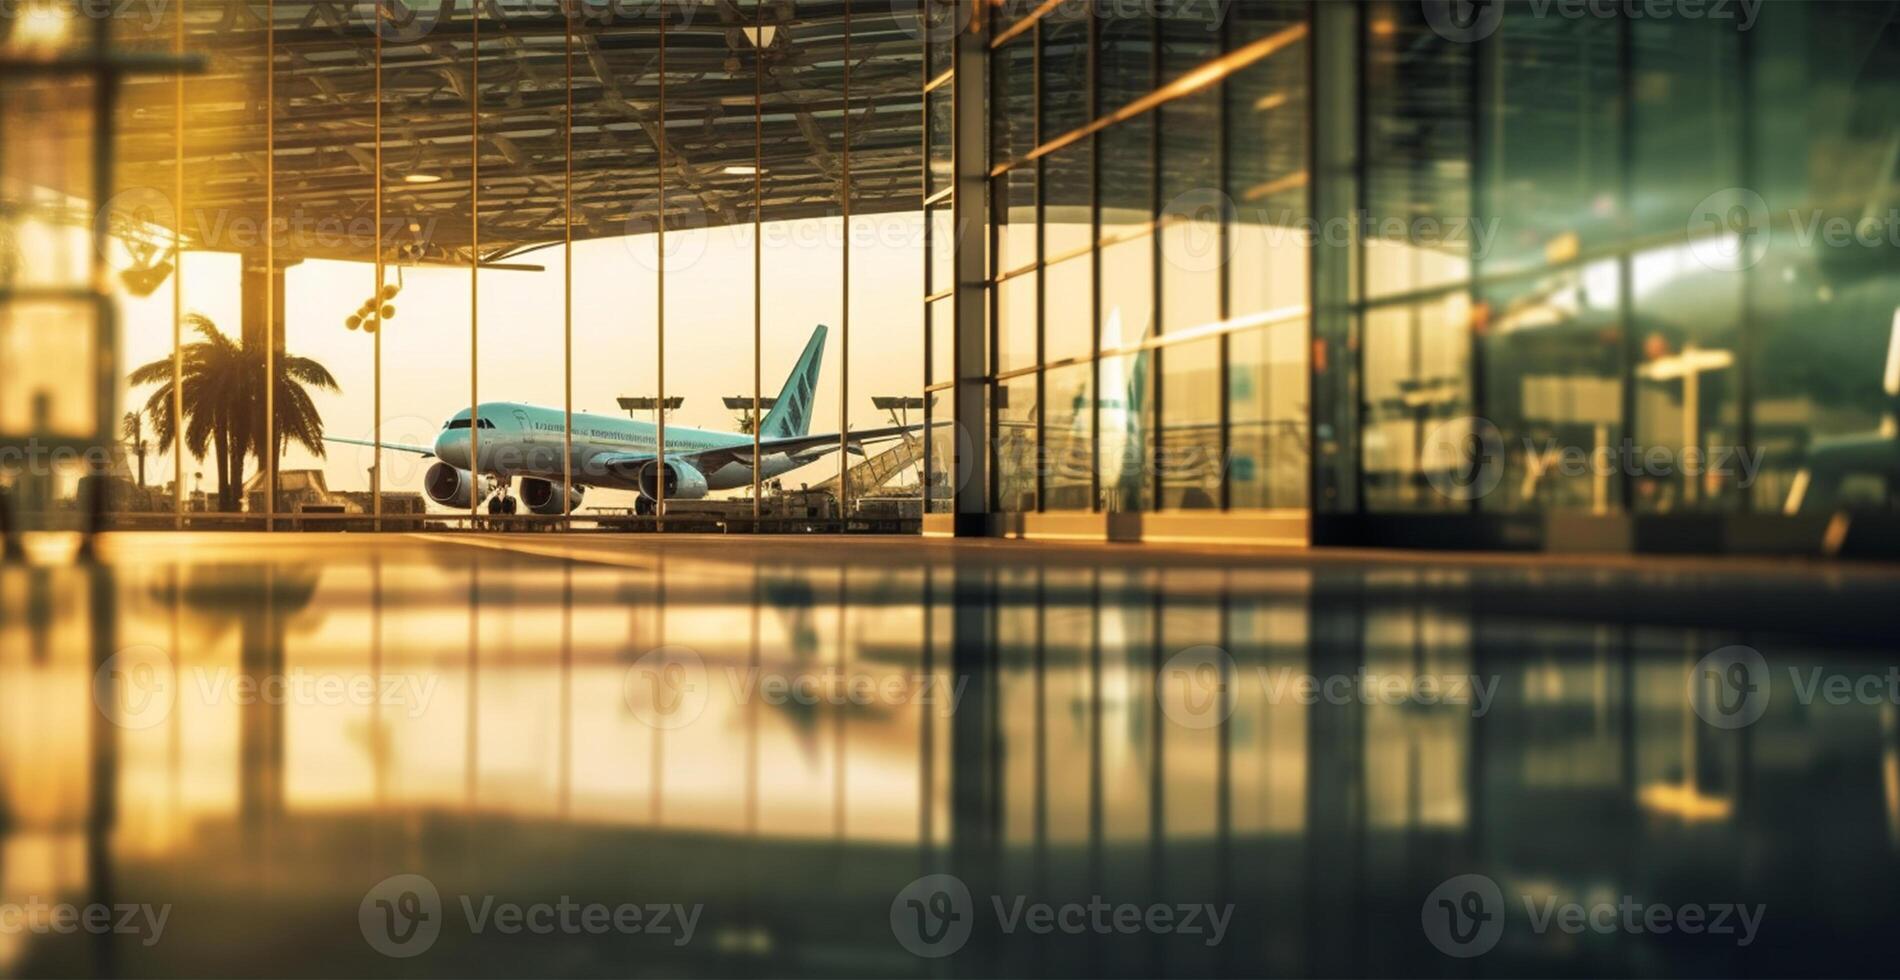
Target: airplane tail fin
791	414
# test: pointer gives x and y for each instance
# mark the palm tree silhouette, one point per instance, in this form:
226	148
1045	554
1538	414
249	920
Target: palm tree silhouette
224	403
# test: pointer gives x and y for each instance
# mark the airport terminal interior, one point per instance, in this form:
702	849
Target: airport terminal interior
926	488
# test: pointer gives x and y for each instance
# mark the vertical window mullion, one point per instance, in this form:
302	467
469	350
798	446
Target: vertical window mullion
1094	98
1151	426
1040	206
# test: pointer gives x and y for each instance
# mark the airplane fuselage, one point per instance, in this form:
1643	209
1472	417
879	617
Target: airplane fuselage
521	440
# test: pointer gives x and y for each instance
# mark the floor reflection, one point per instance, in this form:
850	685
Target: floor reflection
782	739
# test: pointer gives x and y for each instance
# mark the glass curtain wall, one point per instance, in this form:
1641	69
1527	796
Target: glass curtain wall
1597	269
143	263
883	328
1584	264
1565	259
1148	180
399	223
940	23
619	250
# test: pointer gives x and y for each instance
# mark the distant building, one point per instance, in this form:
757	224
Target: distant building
297	491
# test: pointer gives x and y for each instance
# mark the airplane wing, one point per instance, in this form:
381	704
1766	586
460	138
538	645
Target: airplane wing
626	466
795	445
399	447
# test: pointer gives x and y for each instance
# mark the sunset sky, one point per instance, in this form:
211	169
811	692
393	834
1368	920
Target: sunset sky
709	333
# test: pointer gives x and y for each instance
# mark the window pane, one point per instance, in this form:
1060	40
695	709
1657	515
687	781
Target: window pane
941	22
415	352
1417	372
1256	19
1688	123
1193	212
1068	189
940	118
938	481
1005	15
1554	380
1016	457
1267	113
1552	135
1065	68
1189	459
1128	293
1418	95
943	249
1127	176
1013	102
886	356
1016	323
1016	206
1190	35
1823	306
1267	393
1070	457
943	332
1127	432
1069	309
1127	67
801	269
1687	378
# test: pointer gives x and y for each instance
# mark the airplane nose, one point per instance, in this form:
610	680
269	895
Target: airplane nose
451	447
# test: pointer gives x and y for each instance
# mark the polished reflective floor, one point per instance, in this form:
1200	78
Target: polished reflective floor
317	755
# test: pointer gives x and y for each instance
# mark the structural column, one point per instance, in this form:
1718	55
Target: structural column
970	153
1338	169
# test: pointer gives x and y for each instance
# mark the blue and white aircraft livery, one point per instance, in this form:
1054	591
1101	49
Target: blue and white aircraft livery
523	442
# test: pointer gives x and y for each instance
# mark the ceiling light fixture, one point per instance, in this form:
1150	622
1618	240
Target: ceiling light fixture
421	179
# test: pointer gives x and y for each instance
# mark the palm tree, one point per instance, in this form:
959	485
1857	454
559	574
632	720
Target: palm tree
224	402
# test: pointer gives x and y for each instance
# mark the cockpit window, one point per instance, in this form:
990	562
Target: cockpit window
463	424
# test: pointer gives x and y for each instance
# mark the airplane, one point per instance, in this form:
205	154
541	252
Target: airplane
523	442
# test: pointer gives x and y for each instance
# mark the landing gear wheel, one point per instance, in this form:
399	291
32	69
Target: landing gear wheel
508	505
494	506
643	506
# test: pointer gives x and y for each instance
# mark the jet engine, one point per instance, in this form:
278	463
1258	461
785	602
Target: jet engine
544	497
449	486
683	482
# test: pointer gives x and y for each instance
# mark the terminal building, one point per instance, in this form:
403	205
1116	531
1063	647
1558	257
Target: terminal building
1502	276
949	488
